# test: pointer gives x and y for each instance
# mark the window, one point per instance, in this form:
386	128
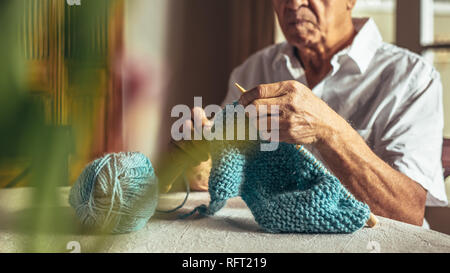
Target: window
382	12
442	54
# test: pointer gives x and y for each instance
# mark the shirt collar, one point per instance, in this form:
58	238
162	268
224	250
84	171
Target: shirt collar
361	51
365	44
286	56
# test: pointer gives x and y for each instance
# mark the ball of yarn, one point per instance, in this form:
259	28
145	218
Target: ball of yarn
117	193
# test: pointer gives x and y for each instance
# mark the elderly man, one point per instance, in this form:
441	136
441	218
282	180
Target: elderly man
372	112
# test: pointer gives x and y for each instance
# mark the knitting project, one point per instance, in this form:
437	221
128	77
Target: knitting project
287	190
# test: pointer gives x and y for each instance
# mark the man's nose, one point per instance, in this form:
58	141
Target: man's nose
296	4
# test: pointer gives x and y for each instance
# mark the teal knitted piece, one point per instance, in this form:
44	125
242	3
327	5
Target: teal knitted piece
287	190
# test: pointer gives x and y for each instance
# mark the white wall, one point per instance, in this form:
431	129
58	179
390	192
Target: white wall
146	42
147	27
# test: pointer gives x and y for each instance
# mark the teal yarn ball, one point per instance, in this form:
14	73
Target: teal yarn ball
117	193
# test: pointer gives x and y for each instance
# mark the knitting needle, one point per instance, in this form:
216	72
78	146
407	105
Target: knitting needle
373	220
240	88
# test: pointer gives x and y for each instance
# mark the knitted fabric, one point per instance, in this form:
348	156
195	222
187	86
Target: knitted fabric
287	190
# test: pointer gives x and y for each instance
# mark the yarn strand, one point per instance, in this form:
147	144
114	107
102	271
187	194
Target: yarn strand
184	201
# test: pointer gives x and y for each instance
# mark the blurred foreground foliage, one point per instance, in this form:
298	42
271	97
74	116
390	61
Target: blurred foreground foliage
25	133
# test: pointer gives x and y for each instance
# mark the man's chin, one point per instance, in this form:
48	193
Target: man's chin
303	37
302	42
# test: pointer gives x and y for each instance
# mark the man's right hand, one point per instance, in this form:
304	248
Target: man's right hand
197	150
195	153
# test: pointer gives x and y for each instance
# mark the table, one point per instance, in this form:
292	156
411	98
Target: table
231	230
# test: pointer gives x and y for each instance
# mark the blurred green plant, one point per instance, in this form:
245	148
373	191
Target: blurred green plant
26	134
48	224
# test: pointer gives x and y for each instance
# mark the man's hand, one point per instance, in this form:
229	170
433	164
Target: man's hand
303	118
198	150
192	155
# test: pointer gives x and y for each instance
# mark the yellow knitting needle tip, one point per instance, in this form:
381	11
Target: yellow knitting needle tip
373	221
240	88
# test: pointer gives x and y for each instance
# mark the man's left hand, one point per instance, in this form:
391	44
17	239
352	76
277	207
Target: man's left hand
303	117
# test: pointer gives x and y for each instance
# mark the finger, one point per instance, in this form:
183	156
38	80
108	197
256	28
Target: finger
273	136
299	135
197	118
263	91
278	136
265	107
259	109
198	148
200	120
269	123
188	129
275	123
200	114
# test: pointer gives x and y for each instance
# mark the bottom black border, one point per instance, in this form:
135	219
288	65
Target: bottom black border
232	262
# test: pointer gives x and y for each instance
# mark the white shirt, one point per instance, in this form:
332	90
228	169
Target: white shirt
391	97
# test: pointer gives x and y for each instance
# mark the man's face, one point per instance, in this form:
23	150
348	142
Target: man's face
309	22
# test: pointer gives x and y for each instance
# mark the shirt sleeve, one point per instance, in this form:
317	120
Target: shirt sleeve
412	140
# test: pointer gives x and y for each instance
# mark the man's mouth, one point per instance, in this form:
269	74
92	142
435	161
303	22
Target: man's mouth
301	16
300	21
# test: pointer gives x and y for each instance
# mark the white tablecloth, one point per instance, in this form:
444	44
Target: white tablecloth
232	229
